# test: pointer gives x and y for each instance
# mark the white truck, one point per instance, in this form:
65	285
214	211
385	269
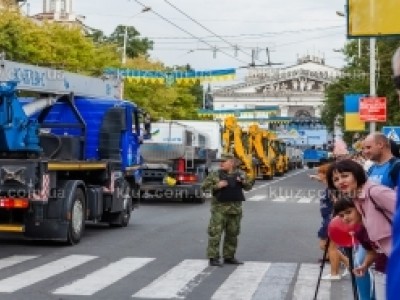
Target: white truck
295	155
175	161
211	129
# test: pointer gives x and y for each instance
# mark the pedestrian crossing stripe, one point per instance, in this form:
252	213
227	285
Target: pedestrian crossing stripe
249	275
250	281
305	284
276	282
14	260
103	277
19	281
172	284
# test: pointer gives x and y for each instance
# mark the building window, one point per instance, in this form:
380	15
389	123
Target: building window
52	6
63	6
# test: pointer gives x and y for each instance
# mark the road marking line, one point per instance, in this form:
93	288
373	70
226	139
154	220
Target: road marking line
305	200
280	199
175	282
281	178
276	282
248	275
256	198
103	277
21	280
14	260
305	284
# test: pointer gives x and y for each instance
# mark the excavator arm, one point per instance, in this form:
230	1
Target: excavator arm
256	137
233	142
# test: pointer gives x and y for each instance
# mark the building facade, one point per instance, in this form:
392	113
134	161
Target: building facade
59	11
10	4
297	91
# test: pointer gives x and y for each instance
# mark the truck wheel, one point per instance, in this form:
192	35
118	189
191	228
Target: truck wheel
77	221
125	215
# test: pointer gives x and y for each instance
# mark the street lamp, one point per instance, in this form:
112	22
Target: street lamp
144	9
343	14
340	13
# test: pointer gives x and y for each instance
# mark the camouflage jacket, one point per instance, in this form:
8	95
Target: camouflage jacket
210	185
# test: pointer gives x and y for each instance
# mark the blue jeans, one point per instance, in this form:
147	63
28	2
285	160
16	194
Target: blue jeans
364	283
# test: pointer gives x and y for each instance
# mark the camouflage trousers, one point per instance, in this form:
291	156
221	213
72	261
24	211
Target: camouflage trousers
229	224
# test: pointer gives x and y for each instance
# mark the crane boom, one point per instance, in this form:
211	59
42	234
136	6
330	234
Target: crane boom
57	82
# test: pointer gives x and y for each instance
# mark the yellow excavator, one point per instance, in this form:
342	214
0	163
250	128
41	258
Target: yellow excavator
286	160
235	141
264	165
275	152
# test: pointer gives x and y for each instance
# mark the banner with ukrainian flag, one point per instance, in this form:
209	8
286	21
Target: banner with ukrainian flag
352	121
168	78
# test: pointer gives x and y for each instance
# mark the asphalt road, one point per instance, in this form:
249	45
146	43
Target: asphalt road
161	254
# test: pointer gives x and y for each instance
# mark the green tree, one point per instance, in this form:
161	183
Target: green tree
356	81
161	101
53	45
69	49
135	46
96	35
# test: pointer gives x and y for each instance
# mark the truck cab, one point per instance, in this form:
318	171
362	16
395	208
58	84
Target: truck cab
69	156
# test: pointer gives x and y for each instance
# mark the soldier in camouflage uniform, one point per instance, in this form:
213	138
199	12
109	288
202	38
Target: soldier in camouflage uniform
227	186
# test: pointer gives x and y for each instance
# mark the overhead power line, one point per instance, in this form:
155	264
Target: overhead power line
251	35
189	33
208	30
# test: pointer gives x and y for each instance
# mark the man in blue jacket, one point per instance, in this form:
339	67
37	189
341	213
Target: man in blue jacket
393	269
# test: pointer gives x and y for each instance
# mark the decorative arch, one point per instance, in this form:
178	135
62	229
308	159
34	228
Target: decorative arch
302	114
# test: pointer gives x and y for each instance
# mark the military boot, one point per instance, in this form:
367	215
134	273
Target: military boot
215	262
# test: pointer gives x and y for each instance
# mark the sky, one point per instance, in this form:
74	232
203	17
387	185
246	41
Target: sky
188	31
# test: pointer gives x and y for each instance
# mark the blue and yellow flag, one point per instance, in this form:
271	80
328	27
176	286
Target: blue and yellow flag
178	77
352	121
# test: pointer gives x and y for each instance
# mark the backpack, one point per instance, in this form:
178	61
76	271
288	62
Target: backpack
394	148
394	170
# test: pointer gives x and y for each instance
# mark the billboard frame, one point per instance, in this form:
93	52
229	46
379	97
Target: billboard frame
357	36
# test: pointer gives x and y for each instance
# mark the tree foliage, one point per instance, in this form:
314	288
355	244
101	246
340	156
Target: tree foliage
162	102
58	46
135	46
356	81
54	45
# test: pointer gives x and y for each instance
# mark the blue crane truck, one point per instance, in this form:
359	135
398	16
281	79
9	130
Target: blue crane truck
68	157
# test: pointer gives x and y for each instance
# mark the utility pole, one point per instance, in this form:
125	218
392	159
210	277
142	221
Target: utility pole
124	47
372	73
145	9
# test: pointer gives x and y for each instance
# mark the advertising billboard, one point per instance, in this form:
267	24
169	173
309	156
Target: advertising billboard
373	18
